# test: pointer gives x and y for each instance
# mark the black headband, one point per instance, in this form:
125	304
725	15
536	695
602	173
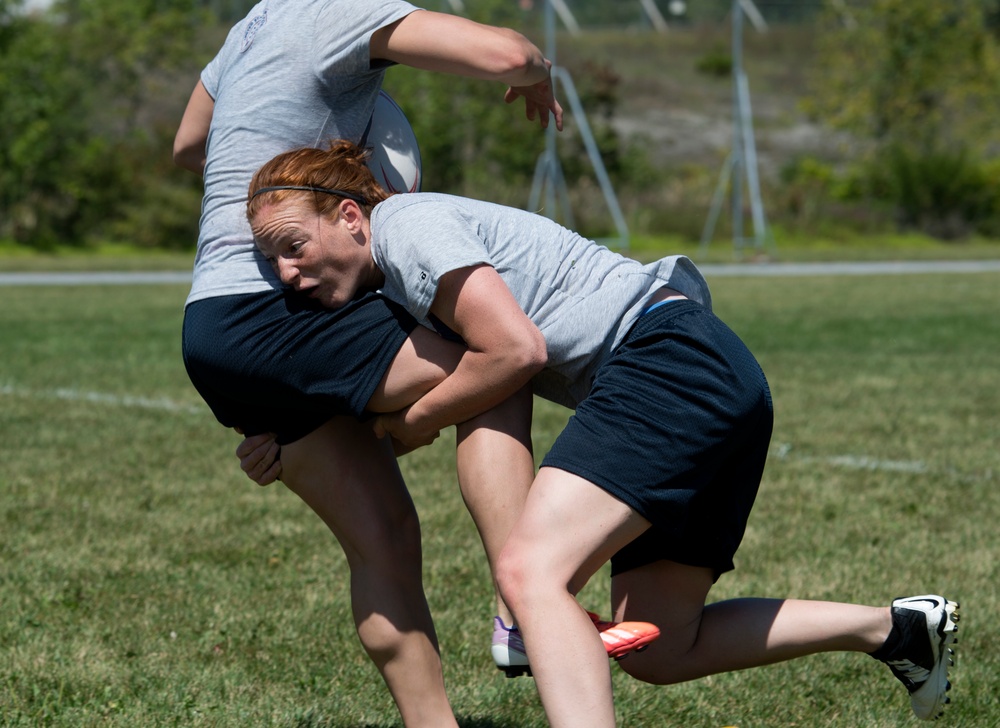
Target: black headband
308	188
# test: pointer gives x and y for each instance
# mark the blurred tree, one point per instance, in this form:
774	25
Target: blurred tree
912	70
85	133
919	82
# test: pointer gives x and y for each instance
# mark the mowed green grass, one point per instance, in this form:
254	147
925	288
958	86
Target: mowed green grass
145	582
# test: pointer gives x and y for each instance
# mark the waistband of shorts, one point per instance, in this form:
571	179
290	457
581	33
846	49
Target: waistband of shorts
657	316
235	300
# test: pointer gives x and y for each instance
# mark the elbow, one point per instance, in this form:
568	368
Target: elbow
182	149
534	354
181	154
189	158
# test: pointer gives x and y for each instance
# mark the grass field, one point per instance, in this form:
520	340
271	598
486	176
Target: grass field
145	582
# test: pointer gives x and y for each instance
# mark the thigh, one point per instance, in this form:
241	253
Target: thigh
421	363
668	594
570	527
677	426
350	479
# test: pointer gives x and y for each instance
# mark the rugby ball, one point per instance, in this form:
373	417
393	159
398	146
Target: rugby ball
395	156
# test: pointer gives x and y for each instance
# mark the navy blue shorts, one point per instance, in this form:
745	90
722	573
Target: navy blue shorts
677	426
277	362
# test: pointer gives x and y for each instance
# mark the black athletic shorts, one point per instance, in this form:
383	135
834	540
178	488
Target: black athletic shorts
277	362
677	426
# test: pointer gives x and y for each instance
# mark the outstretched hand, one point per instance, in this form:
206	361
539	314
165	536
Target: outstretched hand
260	458
539	100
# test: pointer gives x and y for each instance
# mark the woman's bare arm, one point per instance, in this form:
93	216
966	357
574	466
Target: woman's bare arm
192	134
451	44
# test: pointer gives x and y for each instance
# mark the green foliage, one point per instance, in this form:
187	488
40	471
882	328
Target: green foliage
86	136
716	62
943	191
911	71
817	199
920	79
470	141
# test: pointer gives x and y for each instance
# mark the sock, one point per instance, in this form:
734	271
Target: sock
893	641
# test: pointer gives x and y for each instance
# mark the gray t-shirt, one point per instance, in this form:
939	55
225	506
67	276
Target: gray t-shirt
293	73
582	296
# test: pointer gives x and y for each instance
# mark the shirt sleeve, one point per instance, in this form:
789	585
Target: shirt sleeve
210	77
342	34
416	241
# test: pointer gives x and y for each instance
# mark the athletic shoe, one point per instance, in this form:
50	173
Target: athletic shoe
508	650
623	638
620	639
925	627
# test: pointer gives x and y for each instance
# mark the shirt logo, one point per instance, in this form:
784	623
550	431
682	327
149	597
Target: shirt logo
255	24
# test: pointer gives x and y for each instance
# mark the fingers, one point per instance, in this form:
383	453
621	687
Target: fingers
253	443
538	103
557	112
270	475
260	458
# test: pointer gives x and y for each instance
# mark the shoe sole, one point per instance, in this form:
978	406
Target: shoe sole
944	638
515	670
502	659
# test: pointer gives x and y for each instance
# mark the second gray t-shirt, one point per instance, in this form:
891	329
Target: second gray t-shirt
582	296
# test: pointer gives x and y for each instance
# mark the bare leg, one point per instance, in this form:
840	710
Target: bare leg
701	640
569	528
495	470
494	459
350	479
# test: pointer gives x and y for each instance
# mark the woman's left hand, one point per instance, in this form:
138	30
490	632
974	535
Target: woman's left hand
539	100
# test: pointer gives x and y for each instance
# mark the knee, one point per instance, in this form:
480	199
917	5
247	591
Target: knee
512	576
384	542
401	528
395	540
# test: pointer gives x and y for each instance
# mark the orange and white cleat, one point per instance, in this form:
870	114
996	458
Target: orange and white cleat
623	638
620	640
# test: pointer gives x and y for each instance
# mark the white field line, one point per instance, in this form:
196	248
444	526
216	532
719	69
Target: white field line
782	451
115	400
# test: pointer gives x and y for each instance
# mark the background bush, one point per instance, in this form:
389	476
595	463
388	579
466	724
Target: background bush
92	91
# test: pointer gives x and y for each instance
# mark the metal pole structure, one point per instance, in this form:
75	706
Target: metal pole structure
739	160
655	16
566	15
741	164
548	170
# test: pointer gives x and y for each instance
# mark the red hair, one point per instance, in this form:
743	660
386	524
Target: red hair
341	167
